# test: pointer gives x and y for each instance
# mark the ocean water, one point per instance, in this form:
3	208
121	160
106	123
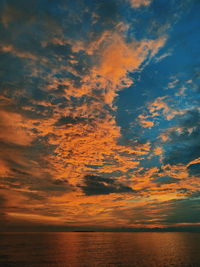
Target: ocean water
85	249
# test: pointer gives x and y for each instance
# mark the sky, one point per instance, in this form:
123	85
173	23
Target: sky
99	114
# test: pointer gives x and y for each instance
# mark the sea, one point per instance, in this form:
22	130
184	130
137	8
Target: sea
95	249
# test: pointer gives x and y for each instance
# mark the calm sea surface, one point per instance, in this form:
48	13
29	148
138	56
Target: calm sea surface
99	249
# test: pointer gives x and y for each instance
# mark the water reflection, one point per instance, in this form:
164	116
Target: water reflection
100	249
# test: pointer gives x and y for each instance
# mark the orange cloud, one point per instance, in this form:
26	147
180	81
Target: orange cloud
147	124
13	128
114	59
94	140
158	151
72	132
4	169
118	58
85	137
17	53
139	3
161	106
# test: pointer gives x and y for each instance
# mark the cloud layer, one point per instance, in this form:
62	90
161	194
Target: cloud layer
72	152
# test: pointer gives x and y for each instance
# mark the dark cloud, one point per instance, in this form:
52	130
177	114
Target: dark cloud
96	185
195	194
23	173
184	211
108	13
144	214
190	119
70	120
194	169
2	201
41	187
3	218
184	146
166	180
51	187
171	212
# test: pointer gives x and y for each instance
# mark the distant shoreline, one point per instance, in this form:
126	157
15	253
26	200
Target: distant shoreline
100	231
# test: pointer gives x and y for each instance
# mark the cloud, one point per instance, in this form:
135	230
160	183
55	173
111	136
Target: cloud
144	122
184	139
162	56
161	106
190	119
63	152
14	131
114	60
69	120
96	185
184	211
139	3
166	180
65	117
4	169
3	219
143	214
194	169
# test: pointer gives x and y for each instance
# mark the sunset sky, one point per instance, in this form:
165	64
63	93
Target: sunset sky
99	113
